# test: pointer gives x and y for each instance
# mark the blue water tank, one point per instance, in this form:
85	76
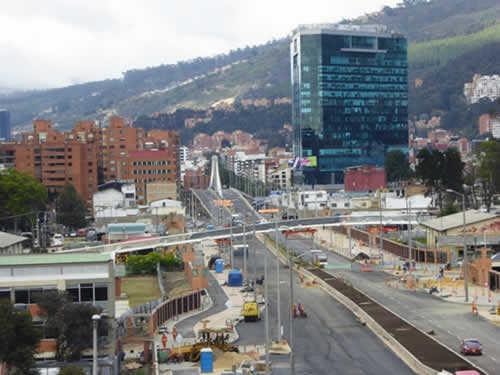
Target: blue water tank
219	266
207	360
235	278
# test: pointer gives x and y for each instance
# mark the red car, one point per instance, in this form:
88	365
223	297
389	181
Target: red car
471	346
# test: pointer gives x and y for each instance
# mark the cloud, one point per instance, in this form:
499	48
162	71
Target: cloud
62	42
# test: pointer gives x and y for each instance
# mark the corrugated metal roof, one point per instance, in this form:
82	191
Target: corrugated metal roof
456	220
8	239
13	260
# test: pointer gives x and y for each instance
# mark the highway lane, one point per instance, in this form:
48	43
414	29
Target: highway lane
450	321
329	341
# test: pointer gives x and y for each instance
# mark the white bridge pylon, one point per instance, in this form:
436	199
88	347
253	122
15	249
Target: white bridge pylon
215	184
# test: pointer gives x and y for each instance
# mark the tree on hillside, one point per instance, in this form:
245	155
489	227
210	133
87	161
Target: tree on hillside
441	171
397	167
20	194
70	208
489	170
19	338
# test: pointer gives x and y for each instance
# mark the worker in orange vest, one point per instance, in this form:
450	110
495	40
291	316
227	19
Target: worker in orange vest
294	310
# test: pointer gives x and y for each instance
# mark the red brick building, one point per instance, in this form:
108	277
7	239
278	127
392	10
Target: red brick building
196	179
364	178
88	155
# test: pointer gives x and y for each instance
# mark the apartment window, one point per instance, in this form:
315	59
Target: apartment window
91	170
69	149
111	139
124	163
90	163
122	146
70	164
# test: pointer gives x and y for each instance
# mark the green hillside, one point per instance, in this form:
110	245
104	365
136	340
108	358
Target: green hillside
450	40
438	53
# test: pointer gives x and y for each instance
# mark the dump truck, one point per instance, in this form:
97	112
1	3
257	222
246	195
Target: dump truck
251	312
319	258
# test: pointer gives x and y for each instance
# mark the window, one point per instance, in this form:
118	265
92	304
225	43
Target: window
101	292
87	292
5	294
90	163
195	273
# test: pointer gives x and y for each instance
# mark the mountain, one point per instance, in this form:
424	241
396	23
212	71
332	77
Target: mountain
449	41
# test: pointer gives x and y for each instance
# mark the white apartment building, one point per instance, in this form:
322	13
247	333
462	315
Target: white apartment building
183	154
243	164
482	87
495	127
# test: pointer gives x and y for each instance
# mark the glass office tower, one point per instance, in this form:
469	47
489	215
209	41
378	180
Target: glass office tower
4	124
350	97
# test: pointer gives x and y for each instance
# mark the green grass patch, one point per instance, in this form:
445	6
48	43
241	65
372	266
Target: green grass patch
140	289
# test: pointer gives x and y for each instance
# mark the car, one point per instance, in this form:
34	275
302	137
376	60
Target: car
73	234
471	346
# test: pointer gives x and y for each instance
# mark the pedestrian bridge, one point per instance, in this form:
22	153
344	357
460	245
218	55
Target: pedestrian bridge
250	228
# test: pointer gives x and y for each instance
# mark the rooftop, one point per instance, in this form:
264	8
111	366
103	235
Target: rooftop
336	28
14	260
7	239
456	220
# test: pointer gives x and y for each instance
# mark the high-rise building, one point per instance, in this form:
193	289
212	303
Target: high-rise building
5	124
350	97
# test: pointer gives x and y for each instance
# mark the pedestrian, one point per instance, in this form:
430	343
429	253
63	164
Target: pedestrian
404	268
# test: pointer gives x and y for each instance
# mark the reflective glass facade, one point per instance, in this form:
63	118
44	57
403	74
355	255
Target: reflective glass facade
350	100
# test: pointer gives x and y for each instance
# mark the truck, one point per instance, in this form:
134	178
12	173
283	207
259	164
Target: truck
251	312
319	258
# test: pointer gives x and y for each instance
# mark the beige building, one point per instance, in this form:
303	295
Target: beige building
161	190
282	176
477	223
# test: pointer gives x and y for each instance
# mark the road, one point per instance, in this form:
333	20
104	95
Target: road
451	322
330	340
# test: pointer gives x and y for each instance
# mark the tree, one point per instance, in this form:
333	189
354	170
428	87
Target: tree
20	194
19	337
489	170
71	208
70	322
453	170
397	167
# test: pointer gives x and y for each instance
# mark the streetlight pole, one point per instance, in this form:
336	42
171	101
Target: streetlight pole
254	264
290	264
245	251
408	203
466	278
95	321
231	244
381	231
266	313
278	280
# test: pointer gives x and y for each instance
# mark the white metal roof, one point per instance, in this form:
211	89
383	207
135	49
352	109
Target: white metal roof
7	239
456	220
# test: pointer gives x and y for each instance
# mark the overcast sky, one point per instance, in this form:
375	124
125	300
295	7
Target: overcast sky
55	43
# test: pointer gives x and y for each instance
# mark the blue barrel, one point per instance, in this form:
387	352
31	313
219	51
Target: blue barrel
219	266
207	360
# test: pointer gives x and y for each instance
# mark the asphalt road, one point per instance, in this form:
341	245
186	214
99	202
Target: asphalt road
450	321
329	341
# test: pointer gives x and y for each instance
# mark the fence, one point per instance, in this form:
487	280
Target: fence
172	308
401	250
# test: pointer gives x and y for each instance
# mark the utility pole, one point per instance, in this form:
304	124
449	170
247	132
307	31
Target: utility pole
254	265
266	312
350	241
381	231
245	278
278	279
409	236
231	244
466	280
290	264
38	229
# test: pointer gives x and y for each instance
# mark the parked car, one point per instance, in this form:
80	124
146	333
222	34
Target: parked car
471	346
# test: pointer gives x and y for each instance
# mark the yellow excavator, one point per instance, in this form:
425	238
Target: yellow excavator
207	338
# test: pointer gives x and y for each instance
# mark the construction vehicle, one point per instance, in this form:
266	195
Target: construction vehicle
207	338
319	258
251	312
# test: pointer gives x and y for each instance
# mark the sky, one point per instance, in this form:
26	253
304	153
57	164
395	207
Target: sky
56	43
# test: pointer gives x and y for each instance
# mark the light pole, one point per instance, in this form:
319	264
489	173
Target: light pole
290	264
266	313
466	280
408	206
95	321
245	251
278	282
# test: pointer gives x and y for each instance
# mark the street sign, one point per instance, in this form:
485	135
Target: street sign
269	211
223	202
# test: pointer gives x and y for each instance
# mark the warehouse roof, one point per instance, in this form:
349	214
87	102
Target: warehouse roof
457	220
59	258
7	239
